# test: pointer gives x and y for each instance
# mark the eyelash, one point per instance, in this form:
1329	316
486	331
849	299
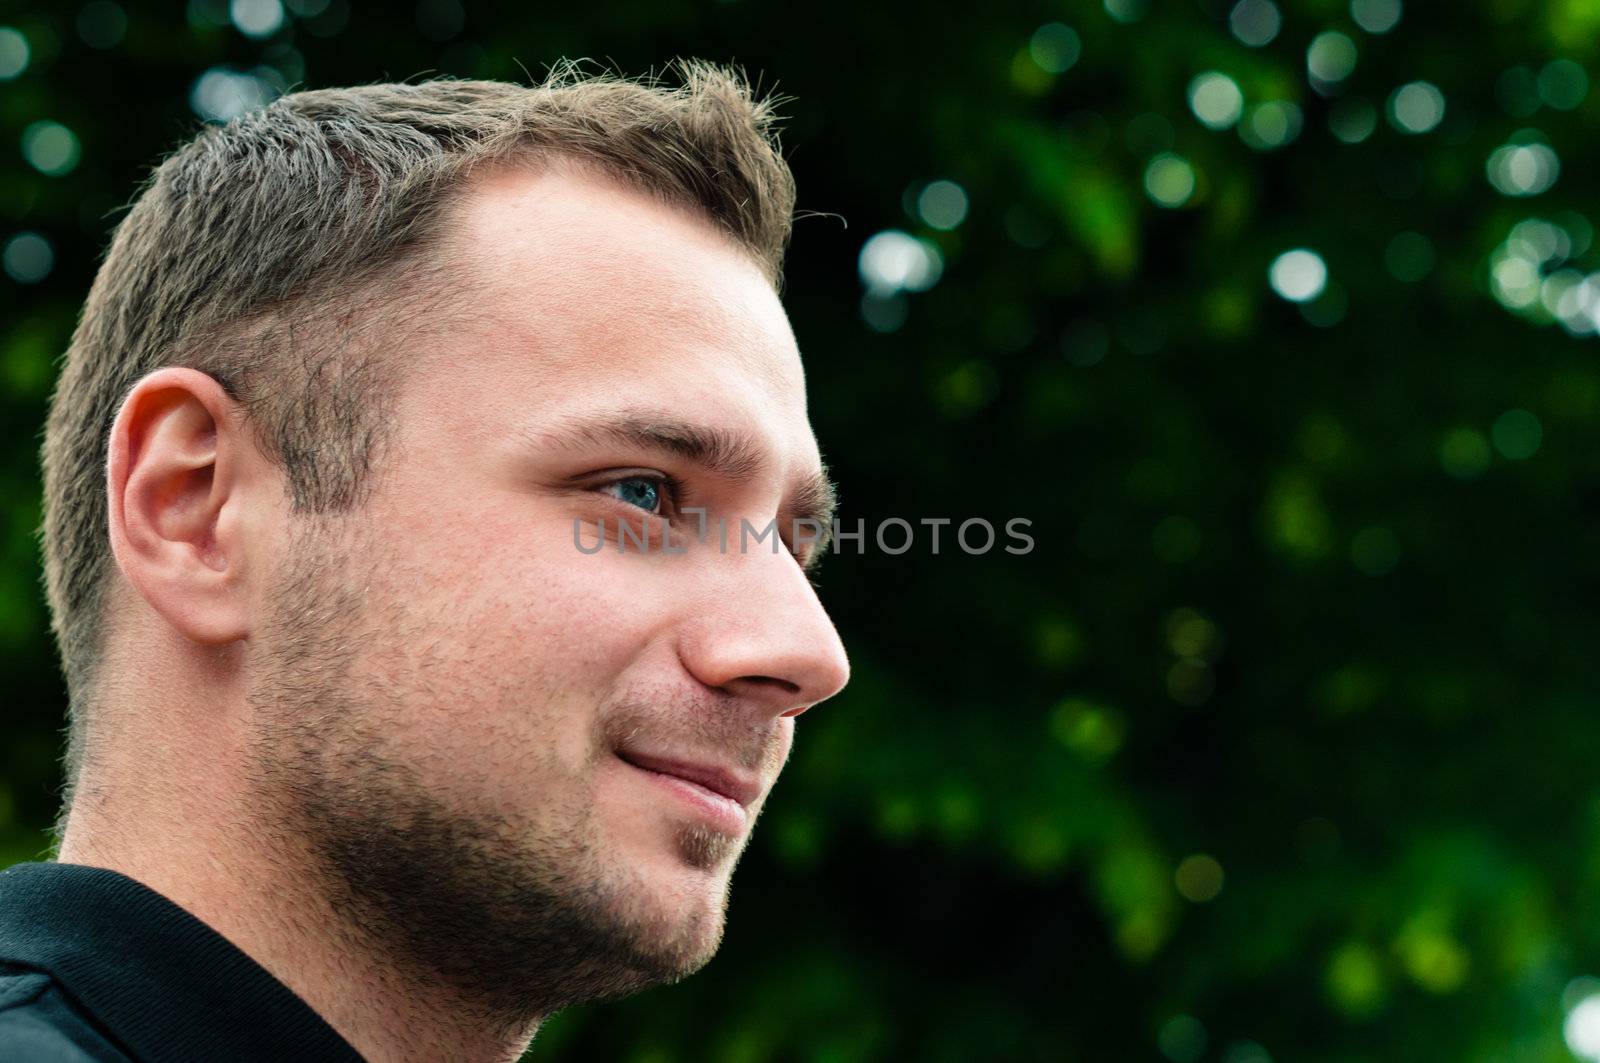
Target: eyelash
671	489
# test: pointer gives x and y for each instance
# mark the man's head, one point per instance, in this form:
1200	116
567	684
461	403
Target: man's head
355	372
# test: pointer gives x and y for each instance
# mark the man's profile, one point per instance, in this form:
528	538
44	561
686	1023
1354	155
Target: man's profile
365	759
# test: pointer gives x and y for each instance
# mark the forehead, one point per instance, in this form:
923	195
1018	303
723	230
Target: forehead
587	293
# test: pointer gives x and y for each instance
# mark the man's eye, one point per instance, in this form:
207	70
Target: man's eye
642	491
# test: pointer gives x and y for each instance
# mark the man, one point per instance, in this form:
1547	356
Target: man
367	759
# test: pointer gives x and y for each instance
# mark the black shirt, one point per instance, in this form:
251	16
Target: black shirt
95	966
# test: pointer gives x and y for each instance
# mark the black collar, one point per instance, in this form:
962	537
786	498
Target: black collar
160	981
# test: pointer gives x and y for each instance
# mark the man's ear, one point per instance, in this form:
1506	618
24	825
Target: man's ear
178	463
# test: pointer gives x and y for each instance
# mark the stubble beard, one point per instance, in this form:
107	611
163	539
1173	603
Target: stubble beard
514	926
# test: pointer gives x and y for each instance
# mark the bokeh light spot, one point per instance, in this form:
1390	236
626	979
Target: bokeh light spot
1271	125
884	312
1517	266
1299	275
1578	990
1190	683
256	18
1127	10
898	816
1169	180
14	53
1355	979
1464	453
895	261
1517	434
1563	84
1059	641
1182	1039
1055	47
1431	955
1517	91
1581	1030
51	148
1416	107
221	95
1352	121
1039	843
102	24
1190	634
1327	309
1523	169
1516	283
1573	299
1245	1052
1092	732
1578	230
28	258
1376	16
942	204
1330	58
1255	22
1199	878
1543	242
1215	99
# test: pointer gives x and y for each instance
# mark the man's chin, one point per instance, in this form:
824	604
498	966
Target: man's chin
687	883
687	929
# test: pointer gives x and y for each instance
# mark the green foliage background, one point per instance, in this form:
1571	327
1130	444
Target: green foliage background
1311	615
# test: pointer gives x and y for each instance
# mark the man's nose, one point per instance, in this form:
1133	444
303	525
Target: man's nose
762	635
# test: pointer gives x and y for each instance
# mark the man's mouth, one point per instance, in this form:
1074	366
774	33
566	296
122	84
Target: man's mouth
736	786
721	794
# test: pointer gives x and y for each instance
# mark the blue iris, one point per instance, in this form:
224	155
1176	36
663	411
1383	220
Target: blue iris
638	491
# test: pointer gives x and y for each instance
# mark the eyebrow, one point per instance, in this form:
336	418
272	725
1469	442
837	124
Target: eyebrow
724	453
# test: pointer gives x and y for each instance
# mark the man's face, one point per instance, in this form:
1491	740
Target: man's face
522	766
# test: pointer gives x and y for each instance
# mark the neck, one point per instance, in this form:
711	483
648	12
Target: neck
200	846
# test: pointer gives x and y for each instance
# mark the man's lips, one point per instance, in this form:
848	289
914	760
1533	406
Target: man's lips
726	782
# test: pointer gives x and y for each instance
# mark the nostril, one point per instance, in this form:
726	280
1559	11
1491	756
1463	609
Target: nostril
769	682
